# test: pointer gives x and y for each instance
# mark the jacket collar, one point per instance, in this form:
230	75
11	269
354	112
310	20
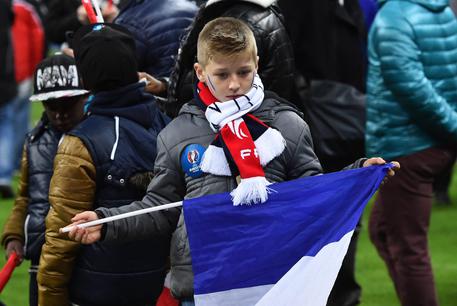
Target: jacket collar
130	102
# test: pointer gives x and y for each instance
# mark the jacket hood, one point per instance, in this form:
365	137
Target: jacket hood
130	102
263	3
433	5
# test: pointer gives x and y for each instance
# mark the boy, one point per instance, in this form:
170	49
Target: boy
230	123
106	161
58	87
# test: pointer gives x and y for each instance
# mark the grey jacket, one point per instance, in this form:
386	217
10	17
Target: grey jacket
172	184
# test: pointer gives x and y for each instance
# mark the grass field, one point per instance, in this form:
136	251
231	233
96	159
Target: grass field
371	272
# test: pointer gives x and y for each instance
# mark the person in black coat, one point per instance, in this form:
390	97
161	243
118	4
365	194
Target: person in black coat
276	65
329	39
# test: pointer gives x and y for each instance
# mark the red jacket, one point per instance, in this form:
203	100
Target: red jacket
28	39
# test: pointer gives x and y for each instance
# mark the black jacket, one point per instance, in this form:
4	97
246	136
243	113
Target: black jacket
276	63
41	148
7	81
329	39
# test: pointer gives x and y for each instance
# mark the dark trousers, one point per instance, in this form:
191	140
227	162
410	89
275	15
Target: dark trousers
400	220
33	285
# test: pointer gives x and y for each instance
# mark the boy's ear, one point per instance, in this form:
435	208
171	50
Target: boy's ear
257	63
199	71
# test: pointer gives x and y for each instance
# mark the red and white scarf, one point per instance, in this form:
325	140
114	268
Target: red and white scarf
243	143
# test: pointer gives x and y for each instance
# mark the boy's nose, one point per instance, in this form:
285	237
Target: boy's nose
234	84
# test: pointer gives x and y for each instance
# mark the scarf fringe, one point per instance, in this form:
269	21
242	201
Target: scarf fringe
251	190
215	162
270	145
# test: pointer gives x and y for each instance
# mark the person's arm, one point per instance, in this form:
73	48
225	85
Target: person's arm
153	86
403	74
166	187
28	34
71	191
13	231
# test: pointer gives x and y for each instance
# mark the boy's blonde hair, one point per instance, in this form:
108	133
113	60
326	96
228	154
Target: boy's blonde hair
225	36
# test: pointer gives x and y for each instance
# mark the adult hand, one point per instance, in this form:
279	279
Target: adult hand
15	246
86	235
153	86
68	51
81	14
379	161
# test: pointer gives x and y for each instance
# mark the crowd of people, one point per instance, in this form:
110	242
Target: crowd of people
175	99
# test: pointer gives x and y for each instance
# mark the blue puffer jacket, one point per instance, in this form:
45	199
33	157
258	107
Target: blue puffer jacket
412	78
157	26
121	134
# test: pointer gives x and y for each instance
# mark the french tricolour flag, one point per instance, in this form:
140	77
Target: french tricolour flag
287	251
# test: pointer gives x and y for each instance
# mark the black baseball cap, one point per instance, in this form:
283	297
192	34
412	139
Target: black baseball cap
105	55
57	77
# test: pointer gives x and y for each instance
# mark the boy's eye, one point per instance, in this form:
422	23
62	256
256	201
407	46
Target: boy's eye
244	72
222	76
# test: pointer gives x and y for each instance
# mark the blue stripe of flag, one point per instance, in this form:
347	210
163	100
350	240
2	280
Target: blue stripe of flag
244	246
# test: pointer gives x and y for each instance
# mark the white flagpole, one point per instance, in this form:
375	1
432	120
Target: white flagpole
98	11
121	216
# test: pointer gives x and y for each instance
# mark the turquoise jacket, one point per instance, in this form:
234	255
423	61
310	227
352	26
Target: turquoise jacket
412	78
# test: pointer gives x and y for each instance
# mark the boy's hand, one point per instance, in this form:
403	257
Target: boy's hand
15	246
86	235
379	161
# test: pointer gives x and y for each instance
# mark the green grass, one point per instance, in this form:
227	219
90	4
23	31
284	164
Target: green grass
371	271
16	293
377	288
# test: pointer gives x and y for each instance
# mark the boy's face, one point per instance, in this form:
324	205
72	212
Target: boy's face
228	77
65	113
